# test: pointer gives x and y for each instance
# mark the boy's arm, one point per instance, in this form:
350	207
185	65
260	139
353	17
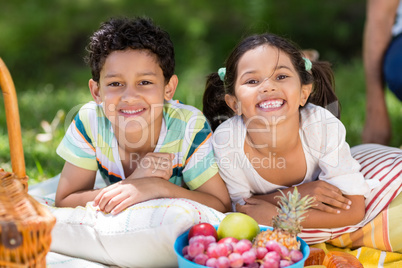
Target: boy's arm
263	212
75	186
153	182
213	193
115	198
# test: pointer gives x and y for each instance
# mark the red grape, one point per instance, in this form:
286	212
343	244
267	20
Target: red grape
222	262
270	263
260	252
184	251
272	245
249	257
284	263
197	238
242	246
212	250
284	252
222	250
201	259
295	255
211	262
208	240
236	260
195	248
272	255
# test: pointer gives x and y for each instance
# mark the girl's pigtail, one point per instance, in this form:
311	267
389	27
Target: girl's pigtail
323	93
215	108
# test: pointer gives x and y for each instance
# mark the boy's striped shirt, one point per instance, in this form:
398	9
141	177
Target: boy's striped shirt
90	143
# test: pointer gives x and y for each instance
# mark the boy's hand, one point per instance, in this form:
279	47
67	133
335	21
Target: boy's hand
117	197
154	165
139	186
328	198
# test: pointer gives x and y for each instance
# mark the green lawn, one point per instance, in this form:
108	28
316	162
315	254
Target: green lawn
43	103
351	92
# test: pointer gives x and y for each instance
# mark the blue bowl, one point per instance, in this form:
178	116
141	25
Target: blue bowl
182	241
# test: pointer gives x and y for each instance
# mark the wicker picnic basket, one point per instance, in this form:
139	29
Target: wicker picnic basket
25	225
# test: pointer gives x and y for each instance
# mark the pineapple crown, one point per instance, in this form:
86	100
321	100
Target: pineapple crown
291	209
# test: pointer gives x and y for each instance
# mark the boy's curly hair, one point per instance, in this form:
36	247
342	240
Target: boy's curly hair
122	33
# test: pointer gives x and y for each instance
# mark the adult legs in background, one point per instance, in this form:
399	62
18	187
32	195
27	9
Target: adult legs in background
393	67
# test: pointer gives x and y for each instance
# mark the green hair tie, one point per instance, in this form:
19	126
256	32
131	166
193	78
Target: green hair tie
307	64
222	73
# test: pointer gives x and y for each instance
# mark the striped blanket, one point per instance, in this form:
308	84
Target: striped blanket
381	227
369	257
376	241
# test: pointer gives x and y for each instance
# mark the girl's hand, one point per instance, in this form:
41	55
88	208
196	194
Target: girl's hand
262	211
155	165
117	197
328	198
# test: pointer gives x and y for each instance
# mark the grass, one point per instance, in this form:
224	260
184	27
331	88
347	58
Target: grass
43	103
35	106
350	89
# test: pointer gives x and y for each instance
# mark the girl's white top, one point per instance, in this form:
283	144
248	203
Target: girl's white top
327	156
397	28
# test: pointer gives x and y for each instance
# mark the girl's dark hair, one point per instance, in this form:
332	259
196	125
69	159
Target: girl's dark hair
323	91
122	33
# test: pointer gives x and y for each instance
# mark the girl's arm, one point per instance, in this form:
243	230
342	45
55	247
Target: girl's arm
352	216
263	211
75	186
327	197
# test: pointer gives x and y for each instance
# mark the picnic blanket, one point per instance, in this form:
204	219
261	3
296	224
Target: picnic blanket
376	241
373	244
369	257
383	165
141	236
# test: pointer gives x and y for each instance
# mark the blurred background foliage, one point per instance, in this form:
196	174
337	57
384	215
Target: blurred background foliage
43	41
43	44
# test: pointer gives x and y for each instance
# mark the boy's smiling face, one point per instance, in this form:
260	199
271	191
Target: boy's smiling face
132	89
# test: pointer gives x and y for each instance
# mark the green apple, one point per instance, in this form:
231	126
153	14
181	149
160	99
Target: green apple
239	226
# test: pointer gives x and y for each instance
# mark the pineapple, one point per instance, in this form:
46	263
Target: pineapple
287	223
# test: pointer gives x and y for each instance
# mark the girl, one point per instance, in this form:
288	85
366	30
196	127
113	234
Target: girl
275	134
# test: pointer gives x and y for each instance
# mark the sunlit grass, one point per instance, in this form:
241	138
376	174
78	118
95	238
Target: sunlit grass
35	105
43	102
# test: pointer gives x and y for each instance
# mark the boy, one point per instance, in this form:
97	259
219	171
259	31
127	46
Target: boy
144	144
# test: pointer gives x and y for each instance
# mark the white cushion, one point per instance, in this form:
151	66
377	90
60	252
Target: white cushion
141	236
56	260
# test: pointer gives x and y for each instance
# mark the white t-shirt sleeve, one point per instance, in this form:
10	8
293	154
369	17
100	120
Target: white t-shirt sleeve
237	185
230	159
324	139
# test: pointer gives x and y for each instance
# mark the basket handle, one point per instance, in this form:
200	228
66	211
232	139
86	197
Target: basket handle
13	122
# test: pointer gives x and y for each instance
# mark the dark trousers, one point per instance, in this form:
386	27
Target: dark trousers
393	66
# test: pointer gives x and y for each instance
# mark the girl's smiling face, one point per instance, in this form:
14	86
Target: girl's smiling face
132	90
267	87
